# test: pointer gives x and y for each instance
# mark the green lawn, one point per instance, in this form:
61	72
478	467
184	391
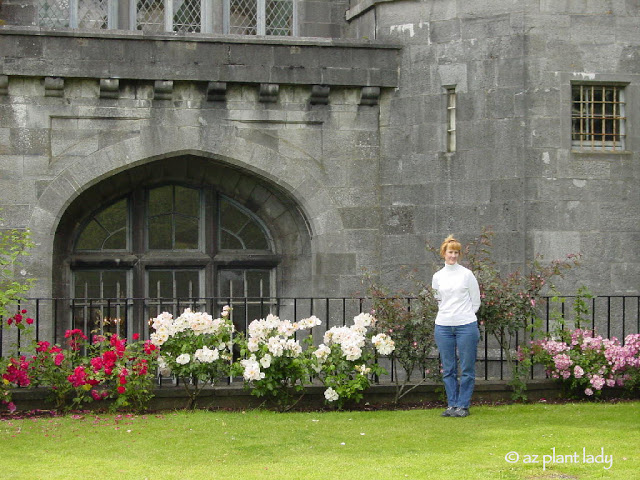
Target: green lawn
384	445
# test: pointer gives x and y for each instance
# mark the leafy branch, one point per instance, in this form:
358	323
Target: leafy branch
14	245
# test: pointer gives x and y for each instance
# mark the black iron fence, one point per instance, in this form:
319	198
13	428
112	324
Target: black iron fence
610	316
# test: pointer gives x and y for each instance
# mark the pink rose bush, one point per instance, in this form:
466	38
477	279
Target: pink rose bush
18	318
587	363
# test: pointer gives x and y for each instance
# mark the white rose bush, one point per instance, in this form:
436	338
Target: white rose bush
275	365
346	361
194	347
277	357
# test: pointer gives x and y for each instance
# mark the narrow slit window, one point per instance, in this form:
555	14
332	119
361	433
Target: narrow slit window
451	119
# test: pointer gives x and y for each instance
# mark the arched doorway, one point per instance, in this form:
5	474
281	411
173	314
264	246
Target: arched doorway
175	233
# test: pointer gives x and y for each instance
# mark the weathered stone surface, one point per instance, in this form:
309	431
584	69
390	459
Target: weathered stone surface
338	144
166	58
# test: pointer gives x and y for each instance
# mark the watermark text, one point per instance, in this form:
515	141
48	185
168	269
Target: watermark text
555	457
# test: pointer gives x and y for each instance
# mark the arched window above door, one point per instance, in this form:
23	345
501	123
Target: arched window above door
173	218
170	246
107	229
239	229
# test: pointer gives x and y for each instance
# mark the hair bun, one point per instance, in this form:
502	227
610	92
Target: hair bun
447	242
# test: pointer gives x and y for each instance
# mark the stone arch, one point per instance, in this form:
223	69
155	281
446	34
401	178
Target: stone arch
294	182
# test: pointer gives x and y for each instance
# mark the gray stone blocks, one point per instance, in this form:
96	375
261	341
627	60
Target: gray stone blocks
170	58
340	143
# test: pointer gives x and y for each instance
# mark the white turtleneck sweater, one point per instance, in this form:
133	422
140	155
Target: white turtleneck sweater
458	295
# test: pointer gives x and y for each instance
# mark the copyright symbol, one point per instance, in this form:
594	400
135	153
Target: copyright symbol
512	457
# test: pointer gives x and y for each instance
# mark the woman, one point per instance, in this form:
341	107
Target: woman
458	295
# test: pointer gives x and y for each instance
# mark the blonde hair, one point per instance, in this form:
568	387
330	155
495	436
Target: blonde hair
450	243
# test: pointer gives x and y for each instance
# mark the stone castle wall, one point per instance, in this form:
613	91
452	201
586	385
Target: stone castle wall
346	135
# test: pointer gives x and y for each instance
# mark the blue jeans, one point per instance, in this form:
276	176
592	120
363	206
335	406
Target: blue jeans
465	339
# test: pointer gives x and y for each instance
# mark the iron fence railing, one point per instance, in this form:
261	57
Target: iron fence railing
609	315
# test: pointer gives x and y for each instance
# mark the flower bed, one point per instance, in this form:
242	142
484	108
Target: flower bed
279	364
278	368
80	371
198	350
586	363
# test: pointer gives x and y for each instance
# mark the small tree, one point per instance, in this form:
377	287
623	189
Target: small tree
509	301
14	245
408	319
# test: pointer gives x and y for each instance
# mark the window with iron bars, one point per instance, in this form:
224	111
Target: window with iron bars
240	17
598	118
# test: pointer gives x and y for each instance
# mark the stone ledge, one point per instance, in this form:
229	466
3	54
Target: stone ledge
162	90
197	37
130	55
235	396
